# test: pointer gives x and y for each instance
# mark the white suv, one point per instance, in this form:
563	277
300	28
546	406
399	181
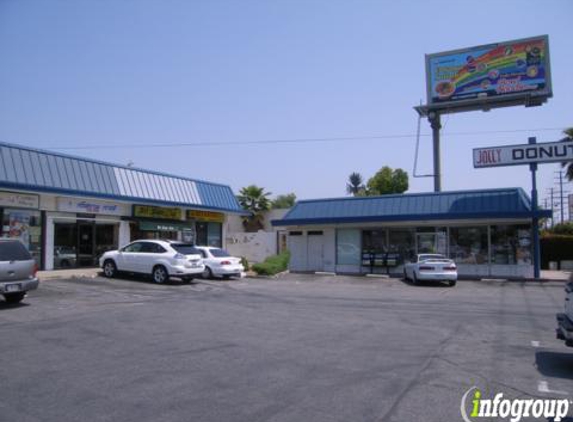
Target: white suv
159	258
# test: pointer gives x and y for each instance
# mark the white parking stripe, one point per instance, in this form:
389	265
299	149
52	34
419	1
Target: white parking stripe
535	343
543	387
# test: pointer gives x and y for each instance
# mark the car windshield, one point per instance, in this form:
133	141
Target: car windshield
186	248
432	256
219	253
14	251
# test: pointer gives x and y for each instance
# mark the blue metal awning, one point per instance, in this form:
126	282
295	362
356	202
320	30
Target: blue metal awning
38	170
508	203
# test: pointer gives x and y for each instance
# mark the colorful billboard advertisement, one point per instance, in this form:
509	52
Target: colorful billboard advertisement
492	72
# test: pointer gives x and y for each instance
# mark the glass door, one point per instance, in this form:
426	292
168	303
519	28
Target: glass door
432	242
427	243
86	245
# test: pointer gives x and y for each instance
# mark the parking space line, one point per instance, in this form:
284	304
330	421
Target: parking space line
543	387
535	343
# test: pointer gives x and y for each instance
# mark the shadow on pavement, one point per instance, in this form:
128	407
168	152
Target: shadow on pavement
555	364
7	306
427	284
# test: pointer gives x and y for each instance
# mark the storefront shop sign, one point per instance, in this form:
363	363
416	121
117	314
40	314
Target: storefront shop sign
19	200
207	216
91	207
547	152
162	227
148	211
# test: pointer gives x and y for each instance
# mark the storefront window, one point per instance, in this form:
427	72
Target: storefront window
510	245
209	234
26	226
468	245
348	246
374	248
402	243
65	245
81	243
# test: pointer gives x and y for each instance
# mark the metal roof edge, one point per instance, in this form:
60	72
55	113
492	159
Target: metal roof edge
410	217
415	194
114	197
106	163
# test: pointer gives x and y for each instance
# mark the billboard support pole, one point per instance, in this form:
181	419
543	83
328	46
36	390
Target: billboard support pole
535	218
435	122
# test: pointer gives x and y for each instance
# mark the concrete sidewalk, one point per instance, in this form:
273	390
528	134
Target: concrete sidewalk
69	273
546	275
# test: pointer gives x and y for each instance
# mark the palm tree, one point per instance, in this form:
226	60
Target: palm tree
255	200
355	184
569	165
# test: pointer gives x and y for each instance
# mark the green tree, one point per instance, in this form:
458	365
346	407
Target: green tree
284	201
355	185
255	200
387	181
569	165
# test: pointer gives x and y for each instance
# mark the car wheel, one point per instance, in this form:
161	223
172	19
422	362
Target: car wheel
452	283
109	268
14	298
65	264
207	273
160	274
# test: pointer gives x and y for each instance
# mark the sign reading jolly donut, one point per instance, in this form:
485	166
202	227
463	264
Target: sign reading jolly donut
490	73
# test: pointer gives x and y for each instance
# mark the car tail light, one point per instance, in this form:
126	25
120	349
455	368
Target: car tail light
225	262
179	256
450	268
35	270
426	268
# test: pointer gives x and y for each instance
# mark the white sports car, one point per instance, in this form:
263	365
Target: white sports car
219	263
431	267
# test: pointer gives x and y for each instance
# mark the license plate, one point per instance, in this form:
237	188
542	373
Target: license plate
13	287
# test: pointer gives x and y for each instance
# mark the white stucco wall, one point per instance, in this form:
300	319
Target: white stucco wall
256	247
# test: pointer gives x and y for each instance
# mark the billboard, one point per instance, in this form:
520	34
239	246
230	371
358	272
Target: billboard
511	155
490	73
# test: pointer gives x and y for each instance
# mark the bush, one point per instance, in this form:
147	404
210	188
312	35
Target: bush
245	263
555	248
273	264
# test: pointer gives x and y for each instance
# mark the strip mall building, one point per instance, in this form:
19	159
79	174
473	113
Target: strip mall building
487	232
69	210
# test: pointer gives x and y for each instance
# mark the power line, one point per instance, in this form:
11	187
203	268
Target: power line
292	141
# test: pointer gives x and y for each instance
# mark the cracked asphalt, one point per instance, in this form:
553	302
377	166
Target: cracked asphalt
298	348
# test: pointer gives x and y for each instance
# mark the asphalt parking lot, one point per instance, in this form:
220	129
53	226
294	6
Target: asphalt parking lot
298	348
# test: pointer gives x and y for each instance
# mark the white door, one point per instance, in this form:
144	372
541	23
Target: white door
297	247
315	251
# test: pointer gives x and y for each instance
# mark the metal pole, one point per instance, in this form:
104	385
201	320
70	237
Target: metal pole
535	218
561	189
552	206
436	124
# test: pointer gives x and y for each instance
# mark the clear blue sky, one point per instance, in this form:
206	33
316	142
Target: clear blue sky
100	73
